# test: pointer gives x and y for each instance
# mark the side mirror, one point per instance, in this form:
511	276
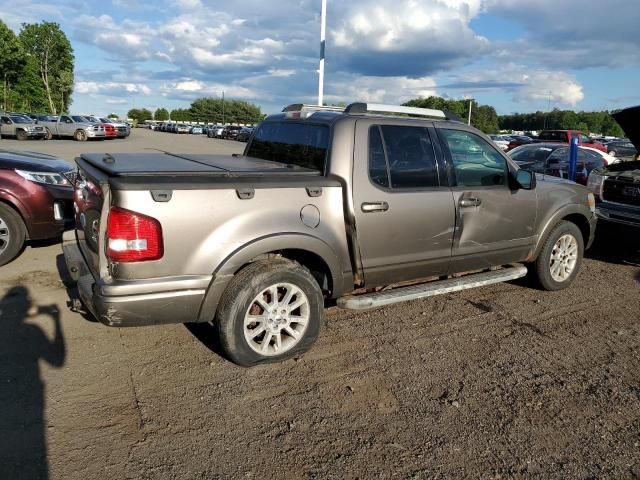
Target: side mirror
526	179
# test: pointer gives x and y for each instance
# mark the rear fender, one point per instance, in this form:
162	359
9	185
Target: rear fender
263	246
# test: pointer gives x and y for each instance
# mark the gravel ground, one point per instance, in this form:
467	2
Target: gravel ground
504	381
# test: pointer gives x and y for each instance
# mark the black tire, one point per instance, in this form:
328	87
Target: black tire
80	136
21	135
11	224
238	299
48	135
612	153
542	266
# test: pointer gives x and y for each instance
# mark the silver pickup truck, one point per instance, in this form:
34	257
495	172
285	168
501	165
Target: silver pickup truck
20	127
72	126
364	206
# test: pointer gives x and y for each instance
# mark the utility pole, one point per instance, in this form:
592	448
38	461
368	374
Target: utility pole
470	104
222	107
4	106
323	28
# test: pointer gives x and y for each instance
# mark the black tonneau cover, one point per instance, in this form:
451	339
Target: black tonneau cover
175	164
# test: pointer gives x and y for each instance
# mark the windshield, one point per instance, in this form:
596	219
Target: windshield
301	144
105	120
78	118
20	119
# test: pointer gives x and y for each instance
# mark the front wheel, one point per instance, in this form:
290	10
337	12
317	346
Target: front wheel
21	135
612	153
80	136
12	234
48	134
560	258
272	310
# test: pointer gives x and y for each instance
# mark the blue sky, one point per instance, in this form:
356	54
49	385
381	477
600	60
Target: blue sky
513	55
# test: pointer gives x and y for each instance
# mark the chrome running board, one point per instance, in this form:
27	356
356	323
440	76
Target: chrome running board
423	290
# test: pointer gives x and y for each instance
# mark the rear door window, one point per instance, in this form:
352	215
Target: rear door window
402	157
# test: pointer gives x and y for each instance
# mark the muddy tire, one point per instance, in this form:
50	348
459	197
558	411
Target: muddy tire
21	135
80	136
560	259
13	234
272	310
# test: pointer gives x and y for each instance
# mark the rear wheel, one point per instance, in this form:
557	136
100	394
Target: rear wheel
272	310
80	136
561	257
21	135
12	234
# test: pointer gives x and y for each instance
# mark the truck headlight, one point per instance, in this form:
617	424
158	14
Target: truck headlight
48	178
595	184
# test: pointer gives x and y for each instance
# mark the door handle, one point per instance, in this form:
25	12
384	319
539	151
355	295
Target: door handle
470	202
368	207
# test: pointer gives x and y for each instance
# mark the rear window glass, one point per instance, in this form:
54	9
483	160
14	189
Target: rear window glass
301	144
553	136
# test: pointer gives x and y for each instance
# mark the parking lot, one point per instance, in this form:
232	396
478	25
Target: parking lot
497	382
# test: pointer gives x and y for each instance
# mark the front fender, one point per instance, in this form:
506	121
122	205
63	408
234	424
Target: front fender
264	245
552	220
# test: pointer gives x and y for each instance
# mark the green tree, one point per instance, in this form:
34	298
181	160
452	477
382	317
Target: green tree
483	117
161	114
113	115
29	93
53	53
140	114
12	62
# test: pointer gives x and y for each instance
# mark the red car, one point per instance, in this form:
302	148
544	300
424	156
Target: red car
36	199
565	136
110	130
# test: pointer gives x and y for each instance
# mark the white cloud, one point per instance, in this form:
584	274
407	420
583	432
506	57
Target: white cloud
352	88
112	88
525	84
410	37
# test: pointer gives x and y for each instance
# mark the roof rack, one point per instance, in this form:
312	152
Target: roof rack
301	110
399	109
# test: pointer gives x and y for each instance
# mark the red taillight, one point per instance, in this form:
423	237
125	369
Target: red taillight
133	237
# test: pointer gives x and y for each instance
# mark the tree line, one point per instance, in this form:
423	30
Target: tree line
209	110
485	118
587	122
36	68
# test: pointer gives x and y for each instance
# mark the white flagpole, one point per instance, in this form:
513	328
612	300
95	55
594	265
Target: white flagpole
323	27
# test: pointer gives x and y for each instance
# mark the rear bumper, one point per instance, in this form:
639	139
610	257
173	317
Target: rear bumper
618	213
134	303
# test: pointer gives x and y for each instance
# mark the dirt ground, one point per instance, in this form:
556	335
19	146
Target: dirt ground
504	381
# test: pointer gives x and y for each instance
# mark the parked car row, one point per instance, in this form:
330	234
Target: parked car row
45	127
229	132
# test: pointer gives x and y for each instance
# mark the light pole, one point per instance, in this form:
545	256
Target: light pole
222	107
470	104
323	28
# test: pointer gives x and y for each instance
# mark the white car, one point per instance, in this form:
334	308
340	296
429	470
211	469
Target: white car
215	131
502	141
197	129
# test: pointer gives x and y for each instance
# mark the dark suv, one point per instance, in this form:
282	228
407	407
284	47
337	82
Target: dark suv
36	199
